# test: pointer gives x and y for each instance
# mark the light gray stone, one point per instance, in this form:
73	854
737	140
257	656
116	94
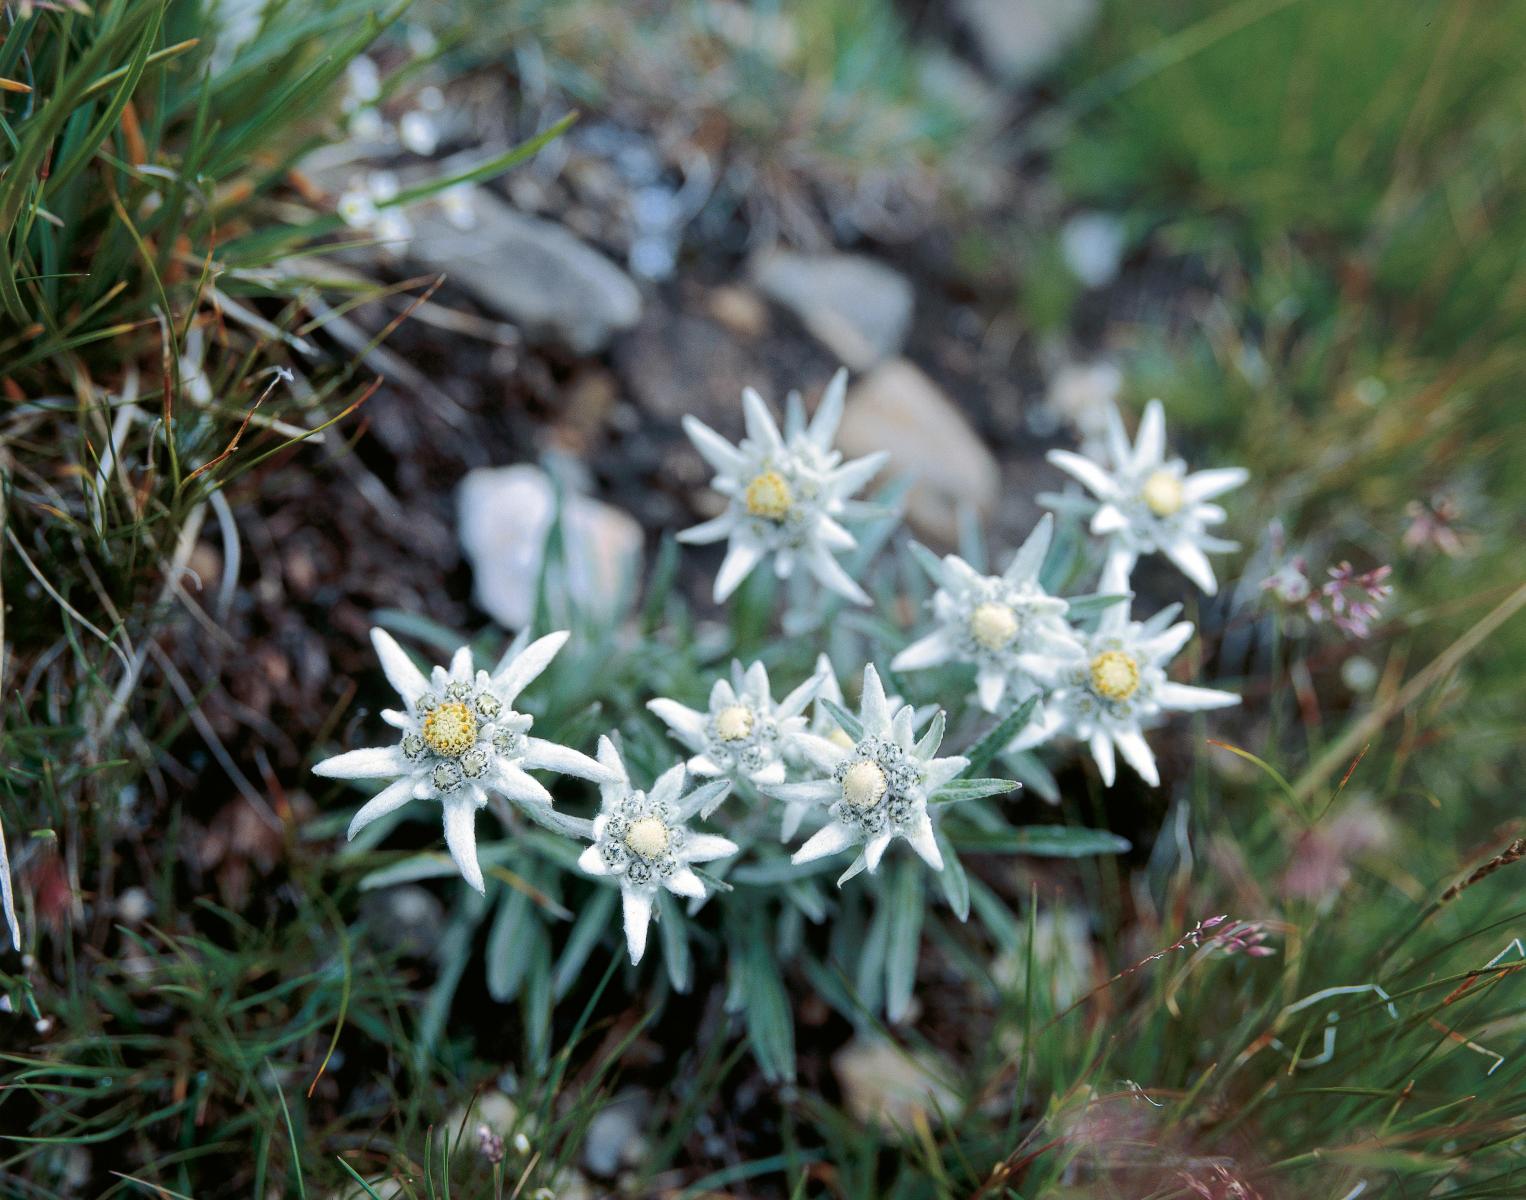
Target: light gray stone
898	408
537	273
1019	39
505	516
857	307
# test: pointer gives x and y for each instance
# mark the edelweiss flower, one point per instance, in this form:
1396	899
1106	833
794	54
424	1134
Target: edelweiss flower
877	787
1148	503
785	495
461	737
1114	683
744	734
991	620
642	840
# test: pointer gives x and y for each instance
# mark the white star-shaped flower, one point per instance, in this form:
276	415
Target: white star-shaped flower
642	839
992	620
1148	503
743	734
461	737
785	492
876	788
1114	683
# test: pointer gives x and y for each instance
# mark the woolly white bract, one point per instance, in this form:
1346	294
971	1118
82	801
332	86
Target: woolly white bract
785	493
877	788
992	620
461	738
642	839
1147	503
1114	683
743	734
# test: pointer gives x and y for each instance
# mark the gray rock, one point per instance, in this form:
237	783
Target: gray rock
898	408
857	307
614	1135
1019	39
535	272
505	516
892	1088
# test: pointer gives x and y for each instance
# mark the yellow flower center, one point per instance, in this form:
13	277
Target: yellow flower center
648	837
768	496
1162	493
1115	675
863	785
840	737
733	724
993	626
450	730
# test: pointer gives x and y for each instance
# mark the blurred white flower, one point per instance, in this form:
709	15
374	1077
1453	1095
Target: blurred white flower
362	83
1092	245
785	495
743	734
1114	683
877	787
458	204
642	839
418	133
367	205
992	620
461	737
1147	503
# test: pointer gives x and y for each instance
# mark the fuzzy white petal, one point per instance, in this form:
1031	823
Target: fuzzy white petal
830	572
829	839
522	788
406	679
823	427
717	529
704	847
685	722
637	906
875	848
1102	751
517	674
761	427
722	456
543	755
1029	559
1097	480
592	861
1204	485
461	838
741	557
684	882
922	839
1179	697
1150	444
930	651
389	799
374	762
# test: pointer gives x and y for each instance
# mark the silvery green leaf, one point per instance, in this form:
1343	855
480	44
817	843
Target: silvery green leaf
505	960
674	932
983	751
928	745
8	897
971	789
765	1003
928	561
955	883
848	723
905	939
536	998
1047	841
1085	606
590	926
870	976
1029	768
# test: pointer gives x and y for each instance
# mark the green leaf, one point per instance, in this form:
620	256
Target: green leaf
988	747
953	880
927	560
1030	769
956	790
506	957
1046	841
765	1004
1086	606
849	724
905	939
586	932
675	942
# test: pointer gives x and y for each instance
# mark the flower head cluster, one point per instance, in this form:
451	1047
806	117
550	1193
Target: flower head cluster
992	621
743	733
643	841
461	739
1348	599
1113	684
784	493
876	788
1146	503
